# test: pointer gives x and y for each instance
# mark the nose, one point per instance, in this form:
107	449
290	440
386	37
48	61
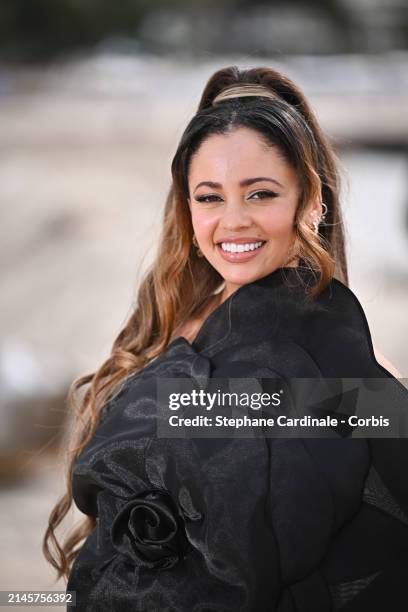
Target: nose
235	216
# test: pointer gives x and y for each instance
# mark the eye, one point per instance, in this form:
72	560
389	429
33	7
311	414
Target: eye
209	198
265	194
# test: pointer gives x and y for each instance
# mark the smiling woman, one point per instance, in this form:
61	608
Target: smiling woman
249	285
241	220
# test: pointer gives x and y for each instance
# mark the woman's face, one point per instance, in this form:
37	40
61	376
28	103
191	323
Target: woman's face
242	192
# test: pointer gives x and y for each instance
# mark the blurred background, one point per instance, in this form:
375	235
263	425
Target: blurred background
94	96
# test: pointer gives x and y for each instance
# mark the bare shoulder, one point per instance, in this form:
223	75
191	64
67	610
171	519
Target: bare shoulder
386	363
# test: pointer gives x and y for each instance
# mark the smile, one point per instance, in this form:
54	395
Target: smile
233	252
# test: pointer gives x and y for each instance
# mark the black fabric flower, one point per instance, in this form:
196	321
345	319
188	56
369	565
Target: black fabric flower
149	530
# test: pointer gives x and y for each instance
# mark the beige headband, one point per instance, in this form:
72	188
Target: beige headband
246	89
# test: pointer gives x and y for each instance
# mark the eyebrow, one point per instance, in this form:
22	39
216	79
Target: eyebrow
243	183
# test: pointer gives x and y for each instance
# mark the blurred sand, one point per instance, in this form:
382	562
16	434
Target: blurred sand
24	511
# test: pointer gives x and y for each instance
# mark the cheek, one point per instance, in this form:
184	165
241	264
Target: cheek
204	223
276	223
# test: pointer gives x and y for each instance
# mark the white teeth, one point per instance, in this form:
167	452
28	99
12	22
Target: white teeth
232	247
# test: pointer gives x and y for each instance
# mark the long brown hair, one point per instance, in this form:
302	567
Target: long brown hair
178	282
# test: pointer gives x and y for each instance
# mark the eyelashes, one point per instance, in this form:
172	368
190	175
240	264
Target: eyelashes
262	195
265	194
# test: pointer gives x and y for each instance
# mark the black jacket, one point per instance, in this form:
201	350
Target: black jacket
247	525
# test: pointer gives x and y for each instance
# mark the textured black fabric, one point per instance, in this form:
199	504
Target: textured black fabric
246	525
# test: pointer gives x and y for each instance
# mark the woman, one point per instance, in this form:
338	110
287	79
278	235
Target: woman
250	280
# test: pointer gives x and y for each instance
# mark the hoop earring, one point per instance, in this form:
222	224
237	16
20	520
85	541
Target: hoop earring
325	210
199	252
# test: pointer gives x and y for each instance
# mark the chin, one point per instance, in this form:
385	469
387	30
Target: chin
242	277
